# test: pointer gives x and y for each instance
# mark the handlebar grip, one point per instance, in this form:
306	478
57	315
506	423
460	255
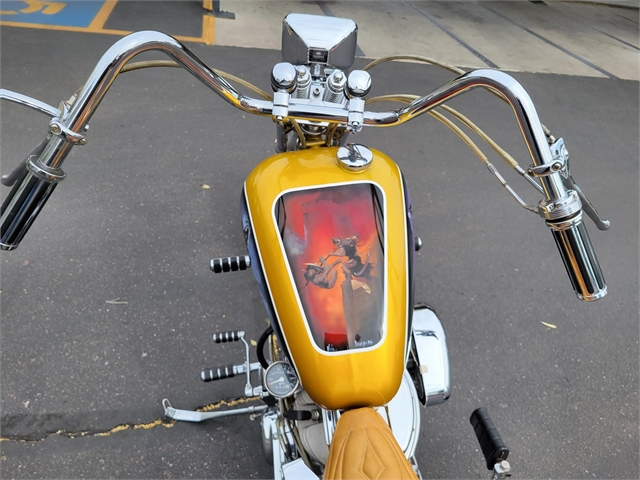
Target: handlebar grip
34	185
579	258
217	373
493	448
224	337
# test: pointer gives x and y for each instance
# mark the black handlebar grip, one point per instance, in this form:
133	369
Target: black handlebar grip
224	337
493	448
217	373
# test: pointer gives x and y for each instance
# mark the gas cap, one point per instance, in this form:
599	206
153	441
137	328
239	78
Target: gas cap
354	157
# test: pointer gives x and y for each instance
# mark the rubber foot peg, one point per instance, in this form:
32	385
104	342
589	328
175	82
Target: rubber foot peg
230	264
217	373
493	448
224	337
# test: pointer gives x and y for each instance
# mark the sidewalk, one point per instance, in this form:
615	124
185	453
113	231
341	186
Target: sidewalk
559	37
594	38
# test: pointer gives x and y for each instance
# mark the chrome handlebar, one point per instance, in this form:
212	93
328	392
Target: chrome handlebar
562	207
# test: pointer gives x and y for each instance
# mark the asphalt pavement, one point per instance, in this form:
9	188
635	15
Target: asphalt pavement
108	305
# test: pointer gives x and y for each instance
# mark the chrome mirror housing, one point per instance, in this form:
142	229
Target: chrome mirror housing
315	39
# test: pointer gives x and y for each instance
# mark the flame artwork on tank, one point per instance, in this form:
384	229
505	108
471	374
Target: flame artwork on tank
334	241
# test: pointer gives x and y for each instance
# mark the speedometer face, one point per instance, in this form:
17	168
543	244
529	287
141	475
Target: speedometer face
280	379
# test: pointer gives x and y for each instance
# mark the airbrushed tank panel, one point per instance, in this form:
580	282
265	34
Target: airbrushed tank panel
333	250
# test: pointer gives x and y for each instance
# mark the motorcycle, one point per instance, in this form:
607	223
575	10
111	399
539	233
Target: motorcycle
351	354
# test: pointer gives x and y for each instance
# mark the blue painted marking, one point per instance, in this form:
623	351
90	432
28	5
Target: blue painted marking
72	14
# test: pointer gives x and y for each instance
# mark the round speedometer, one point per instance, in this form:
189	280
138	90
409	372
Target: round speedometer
280	379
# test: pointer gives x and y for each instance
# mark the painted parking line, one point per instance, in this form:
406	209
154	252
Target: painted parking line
79	16
550	42
475	52
68	14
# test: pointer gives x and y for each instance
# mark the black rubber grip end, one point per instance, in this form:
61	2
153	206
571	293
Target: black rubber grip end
493	448
224	337
216	265
217	373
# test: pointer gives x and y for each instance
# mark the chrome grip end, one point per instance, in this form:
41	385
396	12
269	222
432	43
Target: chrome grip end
35	185
579	257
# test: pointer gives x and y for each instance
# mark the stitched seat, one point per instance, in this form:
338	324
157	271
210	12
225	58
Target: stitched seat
364	447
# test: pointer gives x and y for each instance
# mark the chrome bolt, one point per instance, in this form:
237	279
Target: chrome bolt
55	129
82	141
316	92
86	128
502	470
556	167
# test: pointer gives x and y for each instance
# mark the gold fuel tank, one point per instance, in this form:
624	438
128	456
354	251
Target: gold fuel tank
334	249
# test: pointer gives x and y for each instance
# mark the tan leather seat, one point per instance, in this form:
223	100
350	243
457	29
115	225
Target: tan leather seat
364	447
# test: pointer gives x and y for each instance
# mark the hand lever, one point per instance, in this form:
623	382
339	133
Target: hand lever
563	213
587	206
20	171
559	150
33	184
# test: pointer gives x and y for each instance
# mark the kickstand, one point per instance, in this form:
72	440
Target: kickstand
193	416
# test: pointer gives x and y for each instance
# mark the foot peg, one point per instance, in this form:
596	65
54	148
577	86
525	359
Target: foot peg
232	336
493	448
220	373
227	371
230	264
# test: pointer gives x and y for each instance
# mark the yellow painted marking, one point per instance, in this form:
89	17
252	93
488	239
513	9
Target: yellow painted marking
97	24
188	39
208	29
121	33
101	18
207	5
62	28
548	325
48	8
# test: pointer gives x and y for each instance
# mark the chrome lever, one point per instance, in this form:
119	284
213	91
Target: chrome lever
560	152
587	206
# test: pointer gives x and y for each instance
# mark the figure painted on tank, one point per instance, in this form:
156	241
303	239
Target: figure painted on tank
353	267
321	274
